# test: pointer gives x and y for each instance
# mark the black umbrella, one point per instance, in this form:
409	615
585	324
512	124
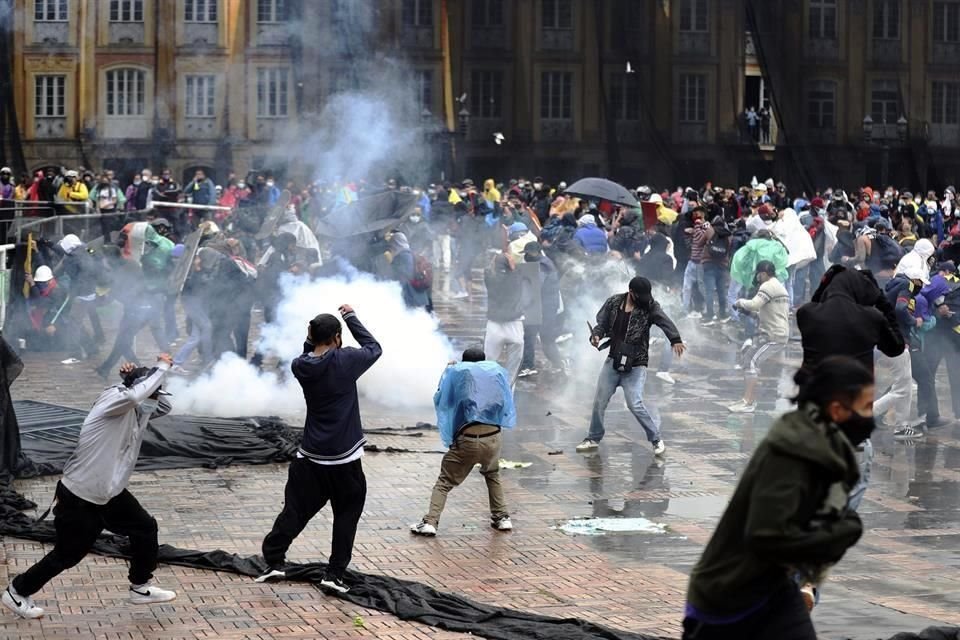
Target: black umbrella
602	189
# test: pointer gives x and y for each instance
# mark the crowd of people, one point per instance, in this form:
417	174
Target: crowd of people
870	277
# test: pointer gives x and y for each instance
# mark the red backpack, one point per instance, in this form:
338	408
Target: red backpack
422	274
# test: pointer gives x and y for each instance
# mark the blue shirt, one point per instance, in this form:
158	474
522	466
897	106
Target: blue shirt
473	392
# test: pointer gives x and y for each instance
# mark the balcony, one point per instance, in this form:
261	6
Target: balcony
51	32
557	130
126	33
944	135
488	37
886	51
822	49
692	132
946	53
417	37
272	34
203	128
202	34
48	128
693	43
558	39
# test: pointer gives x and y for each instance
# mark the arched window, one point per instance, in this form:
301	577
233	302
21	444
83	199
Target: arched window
126	89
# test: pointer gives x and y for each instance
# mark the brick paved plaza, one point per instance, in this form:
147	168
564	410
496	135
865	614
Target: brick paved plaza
901	577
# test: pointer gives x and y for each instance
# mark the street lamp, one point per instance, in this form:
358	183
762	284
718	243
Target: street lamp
884	137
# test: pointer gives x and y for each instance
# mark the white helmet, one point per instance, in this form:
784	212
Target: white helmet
43	274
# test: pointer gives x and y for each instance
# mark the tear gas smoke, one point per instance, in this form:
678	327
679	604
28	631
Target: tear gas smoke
415	353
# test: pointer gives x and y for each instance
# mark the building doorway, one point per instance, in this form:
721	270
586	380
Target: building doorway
756	95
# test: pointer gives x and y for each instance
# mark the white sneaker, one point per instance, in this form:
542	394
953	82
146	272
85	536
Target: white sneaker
658	448
272	573
502	524
694	315
423	529
526	373
742	407
333	583
666	377
563	338
587	445
460	295
150	594
178	370
21	605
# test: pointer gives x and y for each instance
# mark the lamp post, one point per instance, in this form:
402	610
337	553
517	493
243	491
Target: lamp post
884	138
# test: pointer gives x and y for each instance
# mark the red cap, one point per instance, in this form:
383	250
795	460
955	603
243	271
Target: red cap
765	210
818	203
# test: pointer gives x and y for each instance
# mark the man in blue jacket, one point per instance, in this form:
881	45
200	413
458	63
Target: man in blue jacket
474	403
327	467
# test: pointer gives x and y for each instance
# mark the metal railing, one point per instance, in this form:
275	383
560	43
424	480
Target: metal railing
4	281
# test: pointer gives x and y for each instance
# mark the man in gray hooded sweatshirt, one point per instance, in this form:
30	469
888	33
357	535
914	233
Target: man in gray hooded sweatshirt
92	495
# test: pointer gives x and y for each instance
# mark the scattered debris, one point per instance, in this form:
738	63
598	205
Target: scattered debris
510	464
558	452
359	623
549	413
602	526
70	361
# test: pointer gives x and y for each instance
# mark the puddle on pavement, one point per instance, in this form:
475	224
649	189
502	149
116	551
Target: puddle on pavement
697	508
603	526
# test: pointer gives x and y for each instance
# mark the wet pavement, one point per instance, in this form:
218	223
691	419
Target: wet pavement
902	576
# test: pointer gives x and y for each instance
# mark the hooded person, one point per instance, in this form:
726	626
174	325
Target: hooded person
800	253
490	193
657	265
308	247
625	320
80	270
551	322
918	261
474	403
506	300
92	495
790	509
848	315
928	348
519	236
762	246
943	342
590	238
403	270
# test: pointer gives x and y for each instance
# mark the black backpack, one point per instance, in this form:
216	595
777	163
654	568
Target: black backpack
719	246
886	251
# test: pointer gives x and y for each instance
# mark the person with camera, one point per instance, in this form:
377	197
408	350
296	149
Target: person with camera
625	319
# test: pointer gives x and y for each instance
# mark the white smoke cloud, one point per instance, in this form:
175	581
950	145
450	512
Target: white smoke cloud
415	353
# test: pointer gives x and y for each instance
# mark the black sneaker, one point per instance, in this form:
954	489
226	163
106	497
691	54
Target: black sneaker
333	583
908	433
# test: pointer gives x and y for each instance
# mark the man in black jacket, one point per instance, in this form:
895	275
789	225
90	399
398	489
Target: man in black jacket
328	466
626	319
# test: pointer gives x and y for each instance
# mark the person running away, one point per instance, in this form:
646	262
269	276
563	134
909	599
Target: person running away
772	306
626	319
327	466
474	404
93	496
788	515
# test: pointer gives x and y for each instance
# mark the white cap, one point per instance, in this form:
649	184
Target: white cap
655	197
43	274
72	173
5	170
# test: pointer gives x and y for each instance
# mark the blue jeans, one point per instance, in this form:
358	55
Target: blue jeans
200	336
714	284
801	290
690	278
856	494
632	384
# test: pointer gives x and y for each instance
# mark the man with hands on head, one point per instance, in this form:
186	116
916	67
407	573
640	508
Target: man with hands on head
327	467
93	496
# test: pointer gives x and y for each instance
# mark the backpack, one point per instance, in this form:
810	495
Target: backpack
719	247
888	252
422	274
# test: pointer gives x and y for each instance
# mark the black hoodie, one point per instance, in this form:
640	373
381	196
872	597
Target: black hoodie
849	316
332	433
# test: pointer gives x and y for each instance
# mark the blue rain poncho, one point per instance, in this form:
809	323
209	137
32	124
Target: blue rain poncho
473	392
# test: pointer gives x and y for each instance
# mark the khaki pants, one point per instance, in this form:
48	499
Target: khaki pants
457	464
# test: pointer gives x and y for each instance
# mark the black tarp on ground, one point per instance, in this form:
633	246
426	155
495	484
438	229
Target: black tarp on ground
49	433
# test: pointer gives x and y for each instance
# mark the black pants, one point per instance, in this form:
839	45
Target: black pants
927	403
784	618
547	343
309	487
78	523
136	316
944	345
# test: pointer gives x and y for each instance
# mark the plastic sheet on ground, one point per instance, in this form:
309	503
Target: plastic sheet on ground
602	526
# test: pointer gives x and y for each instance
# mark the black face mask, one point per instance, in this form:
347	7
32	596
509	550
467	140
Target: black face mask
532	258
858	428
